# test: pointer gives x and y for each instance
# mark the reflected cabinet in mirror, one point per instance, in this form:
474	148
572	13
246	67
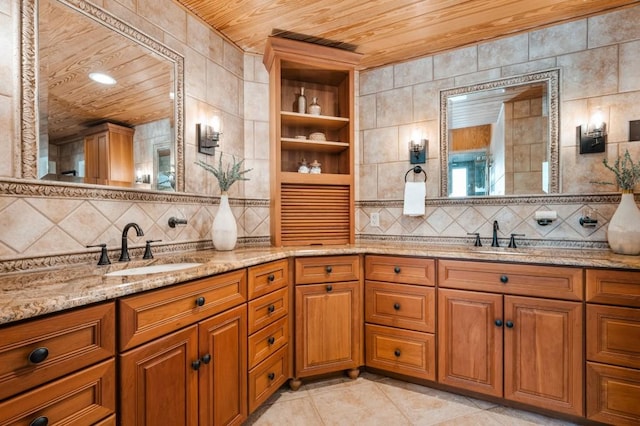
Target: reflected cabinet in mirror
500	137
105	103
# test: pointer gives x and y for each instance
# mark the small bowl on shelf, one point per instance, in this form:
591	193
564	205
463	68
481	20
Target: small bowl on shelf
317	136
301	137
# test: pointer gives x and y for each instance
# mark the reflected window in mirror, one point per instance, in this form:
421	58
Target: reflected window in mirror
500	138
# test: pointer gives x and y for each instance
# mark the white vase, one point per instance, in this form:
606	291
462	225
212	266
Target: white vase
623	233
224	231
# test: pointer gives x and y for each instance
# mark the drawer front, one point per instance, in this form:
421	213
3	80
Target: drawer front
403	270
399	305
324	269
41	350
267	341
265	278
613	287
526	280
146	316
82	398
401	351
267	377
613	394
613	335
267	309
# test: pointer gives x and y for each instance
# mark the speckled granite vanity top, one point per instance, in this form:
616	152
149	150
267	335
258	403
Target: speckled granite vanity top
29	294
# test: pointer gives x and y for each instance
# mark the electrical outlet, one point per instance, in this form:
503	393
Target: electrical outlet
375	219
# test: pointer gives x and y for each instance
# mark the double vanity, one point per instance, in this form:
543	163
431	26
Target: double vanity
206	337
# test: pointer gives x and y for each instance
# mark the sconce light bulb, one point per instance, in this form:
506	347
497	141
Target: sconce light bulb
215	123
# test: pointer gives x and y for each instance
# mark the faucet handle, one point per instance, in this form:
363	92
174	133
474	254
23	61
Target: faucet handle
477	243
512	241
147	249
104	257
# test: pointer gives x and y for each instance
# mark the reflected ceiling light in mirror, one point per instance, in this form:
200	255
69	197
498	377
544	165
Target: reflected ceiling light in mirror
592	136
417	148
208	136
102	78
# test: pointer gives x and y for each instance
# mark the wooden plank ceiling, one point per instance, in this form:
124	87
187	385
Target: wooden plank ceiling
389	31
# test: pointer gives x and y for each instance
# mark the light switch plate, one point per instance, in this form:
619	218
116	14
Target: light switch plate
375	219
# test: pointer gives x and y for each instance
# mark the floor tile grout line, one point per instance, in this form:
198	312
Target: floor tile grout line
388	397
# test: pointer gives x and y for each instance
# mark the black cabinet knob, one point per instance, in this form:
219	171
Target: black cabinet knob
329	269
40	421
271	340
396	269
396	352
396	306
271	309
38	355
498	323
271	277
271	376
206	358
504	279
196	365
200	301
509	324
329	288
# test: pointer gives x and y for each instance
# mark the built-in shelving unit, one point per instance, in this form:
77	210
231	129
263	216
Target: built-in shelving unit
311	208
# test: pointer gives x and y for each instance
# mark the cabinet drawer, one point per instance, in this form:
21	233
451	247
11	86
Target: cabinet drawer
613	394
268	277
266	309
147	316
400	305
82	398
613	287
324	269
613	335
401	351
267	341
526	280
65	342
404	270
267	377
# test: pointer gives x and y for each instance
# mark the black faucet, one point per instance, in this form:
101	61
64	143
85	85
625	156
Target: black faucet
494	241
124	252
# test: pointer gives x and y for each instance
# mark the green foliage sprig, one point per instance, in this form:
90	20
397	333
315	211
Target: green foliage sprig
627	173
226	176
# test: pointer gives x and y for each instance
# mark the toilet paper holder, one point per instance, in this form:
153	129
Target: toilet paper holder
545	217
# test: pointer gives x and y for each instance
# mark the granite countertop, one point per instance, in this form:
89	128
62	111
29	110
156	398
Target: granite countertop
29	294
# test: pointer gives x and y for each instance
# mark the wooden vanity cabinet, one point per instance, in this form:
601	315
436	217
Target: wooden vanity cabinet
108	153
329	318
196	371
524	349
613	346
400	315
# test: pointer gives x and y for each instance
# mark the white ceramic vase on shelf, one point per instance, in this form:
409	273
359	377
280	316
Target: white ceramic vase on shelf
224	231
623	233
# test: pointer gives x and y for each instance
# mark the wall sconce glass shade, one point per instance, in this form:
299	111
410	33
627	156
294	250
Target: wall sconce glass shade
207	139
418	151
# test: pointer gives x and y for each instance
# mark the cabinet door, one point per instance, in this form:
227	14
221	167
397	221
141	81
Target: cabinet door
470	340
328	327
158	385
543	359
223	372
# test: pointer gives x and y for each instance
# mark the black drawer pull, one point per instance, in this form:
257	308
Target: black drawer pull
329	269
504	279
206	358
509	324
396	352
271	340
196	365
271	309
396	269
498	323
396	306
329	288
271	277
200	301
38	355
271	376
40	421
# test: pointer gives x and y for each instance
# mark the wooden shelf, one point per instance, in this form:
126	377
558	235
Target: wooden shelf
325	121
293	144
313	179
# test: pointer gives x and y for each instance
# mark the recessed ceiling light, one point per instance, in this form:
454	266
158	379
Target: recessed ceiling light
102	78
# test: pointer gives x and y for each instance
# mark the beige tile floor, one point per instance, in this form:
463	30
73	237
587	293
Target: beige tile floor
376	400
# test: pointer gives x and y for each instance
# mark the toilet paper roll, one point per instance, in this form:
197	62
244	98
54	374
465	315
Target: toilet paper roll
546	215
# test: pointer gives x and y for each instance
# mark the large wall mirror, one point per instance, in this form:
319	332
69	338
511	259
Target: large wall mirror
127	132
500	138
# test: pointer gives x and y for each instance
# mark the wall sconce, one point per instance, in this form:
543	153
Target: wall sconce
592	137
208	136
418	151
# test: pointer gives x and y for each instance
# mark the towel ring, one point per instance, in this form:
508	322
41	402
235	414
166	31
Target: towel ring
416	170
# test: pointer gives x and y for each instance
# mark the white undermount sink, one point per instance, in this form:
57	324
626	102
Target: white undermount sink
152	269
